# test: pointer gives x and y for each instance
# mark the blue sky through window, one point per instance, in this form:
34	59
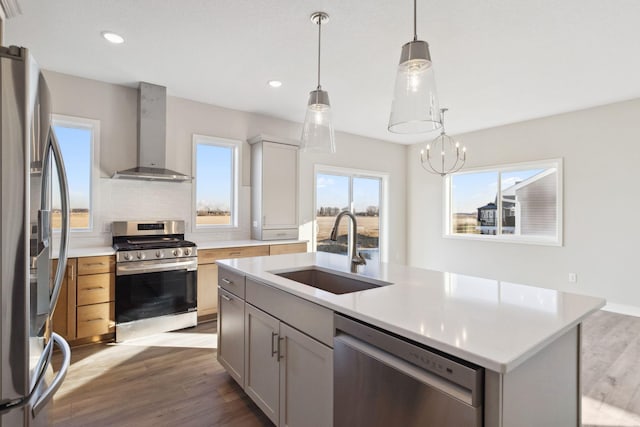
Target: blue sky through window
214	166
75	145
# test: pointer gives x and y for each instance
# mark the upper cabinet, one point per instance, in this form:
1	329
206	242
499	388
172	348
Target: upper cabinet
274	188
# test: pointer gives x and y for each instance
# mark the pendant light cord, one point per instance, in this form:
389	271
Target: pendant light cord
415	24
319	40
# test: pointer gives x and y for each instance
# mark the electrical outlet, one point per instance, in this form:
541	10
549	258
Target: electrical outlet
573	278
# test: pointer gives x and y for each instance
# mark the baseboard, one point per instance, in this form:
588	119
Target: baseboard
629	310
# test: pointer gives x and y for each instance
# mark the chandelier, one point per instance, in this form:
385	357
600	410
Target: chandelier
443	155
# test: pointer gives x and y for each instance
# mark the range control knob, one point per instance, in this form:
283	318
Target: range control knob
177	252
159	254
140	255
187	251
127	257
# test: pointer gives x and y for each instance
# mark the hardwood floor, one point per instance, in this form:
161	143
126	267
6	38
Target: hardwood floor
170	379
611	370
173	379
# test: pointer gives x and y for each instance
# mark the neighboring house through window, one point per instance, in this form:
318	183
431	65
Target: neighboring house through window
216	181
79	142
518	203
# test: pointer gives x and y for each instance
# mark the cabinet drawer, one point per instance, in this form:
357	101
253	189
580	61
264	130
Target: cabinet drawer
312	319
95	319
96	288
231	281
208	256
280	234
289	248
96	264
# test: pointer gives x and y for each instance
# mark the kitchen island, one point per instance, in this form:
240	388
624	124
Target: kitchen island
526	338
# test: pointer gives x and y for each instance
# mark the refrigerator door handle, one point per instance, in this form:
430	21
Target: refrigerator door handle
8	405
64	232
57	381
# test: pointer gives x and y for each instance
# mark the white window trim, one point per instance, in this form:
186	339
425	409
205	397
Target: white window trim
94	126
357	173
556	240
236	145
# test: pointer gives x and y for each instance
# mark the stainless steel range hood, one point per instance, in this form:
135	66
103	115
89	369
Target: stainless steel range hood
152	116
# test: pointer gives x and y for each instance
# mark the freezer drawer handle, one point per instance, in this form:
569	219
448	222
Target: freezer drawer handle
57	381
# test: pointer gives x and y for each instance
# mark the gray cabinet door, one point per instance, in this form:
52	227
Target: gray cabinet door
261	361
306	381
231	334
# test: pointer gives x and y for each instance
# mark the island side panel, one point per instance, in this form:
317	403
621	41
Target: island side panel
545	389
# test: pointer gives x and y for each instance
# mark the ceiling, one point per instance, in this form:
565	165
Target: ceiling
496	61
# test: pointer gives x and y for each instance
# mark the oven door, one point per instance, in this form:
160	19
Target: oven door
146	289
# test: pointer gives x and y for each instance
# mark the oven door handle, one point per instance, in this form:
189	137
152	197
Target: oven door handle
143	267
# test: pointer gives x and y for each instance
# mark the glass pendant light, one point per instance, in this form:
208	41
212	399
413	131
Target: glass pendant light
317	132
415	106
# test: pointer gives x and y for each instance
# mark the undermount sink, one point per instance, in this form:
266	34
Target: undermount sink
336	283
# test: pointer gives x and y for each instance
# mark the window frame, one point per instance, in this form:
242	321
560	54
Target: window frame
355	173
556	240
236	154
94	126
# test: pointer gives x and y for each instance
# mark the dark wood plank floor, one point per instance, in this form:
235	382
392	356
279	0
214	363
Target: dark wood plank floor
173	379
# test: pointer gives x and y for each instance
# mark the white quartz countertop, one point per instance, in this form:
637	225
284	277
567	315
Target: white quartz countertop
216	244
86	251
494	324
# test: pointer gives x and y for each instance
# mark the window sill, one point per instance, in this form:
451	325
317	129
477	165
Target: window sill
541	241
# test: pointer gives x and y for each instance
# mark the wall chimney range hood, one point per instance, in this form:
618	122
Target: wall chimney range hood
152	153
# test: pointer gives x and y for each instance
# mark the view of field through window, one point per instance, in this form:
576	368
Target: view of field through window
75	145
214	184
335	193
524	204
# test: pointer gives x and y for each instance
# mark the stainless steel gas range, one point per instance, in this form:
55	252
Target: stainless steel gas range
156	278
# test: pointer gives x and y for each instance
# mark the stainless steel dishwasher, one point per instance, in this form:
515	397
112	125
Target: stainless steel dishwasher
383	380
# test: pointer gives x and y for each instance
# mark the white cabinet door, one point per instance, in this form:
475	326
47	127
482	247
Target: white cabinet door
231	334
279	185
306	381
261	361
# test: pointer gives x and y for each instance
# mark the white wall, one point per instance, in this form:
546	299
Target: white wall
116	108
601	151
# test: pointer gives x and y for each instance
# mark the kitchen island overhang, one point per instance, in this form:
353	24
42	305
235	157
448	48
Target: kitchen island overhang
494	324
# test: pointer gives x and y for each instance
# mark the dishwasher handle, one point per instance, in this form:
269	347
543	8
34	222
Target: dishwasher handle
409	369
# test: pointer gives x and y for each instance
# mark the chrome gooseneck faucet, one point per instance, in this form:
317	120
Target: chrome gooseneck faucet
355	257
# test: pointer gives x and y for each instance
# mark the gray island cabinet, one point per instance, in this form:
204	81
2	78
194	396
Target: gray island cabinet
276	336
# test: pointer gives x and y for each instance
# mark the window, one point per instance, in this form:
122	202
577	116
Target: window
78	139
215	166
520	202
359	192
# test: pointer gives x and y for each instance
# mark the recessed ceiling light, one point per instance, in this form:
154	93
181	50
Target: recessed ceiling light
113	37
274	83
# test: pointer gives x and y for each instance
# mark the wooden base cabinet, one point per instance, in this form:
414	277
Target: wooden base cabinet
85	308
64	315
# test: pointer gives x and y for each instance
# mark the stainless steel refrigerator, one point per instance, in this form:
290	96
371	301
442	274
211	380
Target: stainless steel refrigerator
30	290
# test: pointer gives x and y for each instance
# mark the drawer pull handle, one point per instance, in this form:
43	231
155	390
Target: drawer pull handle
235	253
280	355
94	288
274	350
95	263
94	320
226	298
227	281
